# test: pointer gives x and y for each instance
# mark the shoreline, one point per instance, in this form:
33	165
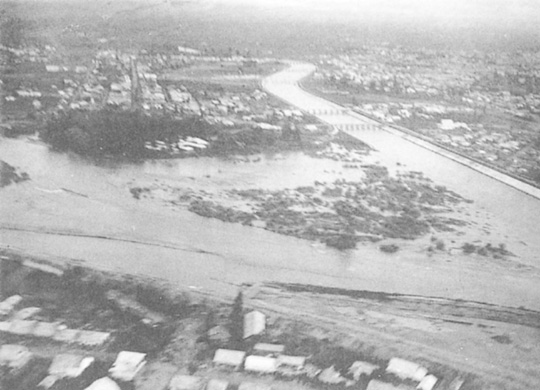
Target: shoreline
411	136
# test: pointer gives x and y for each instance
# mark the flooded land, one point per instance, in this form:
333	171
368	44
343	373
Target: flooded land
221	195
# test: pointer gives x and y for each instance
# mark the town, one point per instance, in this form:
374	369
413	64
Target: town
482	105
214	196
52	339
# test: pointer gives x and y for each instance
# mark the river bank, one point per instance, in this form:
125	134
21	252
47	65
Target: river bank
9	175
372	207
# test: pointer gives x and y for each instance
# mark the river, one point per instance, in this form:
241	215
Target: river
79	211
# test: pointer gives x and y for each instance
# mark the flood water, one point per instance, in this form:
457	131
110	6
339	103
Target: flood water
82	211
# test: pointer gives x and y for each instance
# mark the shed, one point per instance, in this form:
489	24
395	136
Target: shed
296	362
427	383
260	364
254	323
254	386
22	327
104	383
127	365
92	338
66	335
330	375
186	382
52	68
217	384
229	357
378	385
360	368
69	365
14	356
405	369
66	366
26	313
272	349
8	304
45	329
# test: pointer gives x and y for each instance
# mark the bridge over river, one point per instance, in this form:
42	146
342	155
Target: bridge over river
76	211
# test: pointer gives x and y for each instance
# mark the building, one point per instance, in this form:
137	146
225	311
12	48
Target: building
217	384
14	356
427	383
254	323
260	364
127	365
360	368
104	383
186	382
378	385
254	386
66	366
405	369
229	357
268	349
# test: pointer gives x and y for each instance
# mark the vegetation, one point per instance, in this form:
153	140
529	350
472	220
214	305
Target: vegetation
110	132
236	321
8	175
389	248
486	250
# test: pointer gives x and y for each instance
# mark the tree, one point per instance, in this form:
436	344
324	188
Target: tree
11	31
236	320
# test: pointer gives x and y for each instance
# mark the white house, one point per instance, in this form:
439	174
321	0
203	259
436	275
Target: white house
254	323
127	365
260	364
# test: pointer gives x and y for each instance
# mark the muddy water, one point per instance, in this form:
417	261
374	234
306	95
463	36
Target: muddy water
83	211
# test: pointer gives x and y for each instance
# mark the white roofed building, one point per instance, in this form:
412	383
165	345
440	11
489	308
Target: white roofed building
229	357
260	364
254	323
127	365
405	369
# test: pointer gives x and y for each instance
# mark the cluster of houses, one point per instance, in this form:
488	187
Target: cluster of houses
270	359
20	323
189	144
69	366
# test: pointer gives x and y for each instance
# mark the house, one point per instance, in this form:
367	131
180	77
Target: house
296	362
186	382
14	356
405	369
378	385
427	383
330	375
127	365
360	368
229	357
52	68
104	383
260	364
92	338
66	366
217	384
9	304
254	386
290	365
254	323
268	349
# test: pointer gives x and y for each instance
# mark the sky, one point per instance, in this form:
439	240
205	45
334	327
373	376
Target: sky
447	12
